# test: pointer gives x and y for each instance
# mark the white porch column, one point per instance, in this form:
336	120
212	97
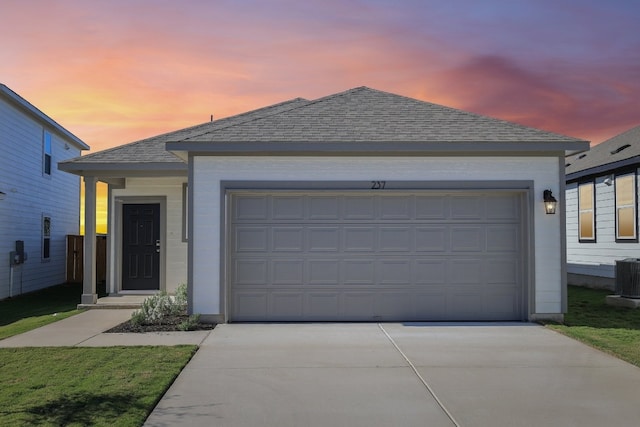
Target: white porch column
89	295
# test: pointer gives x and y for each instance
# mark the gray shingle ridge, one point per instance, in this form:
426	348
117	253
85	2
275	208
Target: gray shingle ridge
363	114
606	153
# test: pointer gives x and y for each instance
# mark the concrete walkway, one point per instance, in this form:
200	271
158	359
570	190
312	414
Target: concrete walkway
406	375
86	329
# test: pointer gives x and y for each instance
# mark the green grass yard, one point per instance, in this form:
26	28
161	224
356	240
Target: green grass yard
73	386
615	330
25	312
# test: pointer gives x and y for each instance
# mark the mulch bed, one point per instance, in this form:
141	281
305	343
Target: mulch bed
169	324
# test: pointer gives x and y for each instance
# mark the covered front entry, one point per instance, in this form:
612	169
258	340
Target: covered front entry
141	246
390	256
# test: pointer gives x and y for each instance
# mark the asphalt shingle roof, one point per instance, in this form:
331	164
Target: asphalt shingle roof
152	150
367	115
621	147
356	115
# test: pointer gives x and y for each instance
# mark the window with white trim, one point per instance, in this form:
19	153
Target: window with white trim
586	212
626	228
46	153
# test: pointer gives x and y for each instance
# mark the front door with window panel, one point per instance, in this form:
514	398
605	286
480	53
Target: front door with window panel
141	247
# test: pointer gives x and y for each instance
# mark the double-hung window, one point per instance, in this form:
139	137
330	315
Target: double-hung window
586	212
626	227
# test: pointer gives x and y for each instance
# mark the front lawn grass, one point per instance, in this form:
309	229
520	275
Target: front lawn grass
82	386
29	311
615	330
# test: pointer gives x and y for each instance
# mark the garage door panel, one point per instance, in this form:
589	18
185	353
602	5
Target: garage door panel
432	239
357	305
359	239
431	306
359	207
288	305
251	208
392	305
324	272
288	272
467	207
322	305
358	272
287	239
502	238
323	207
465	271
427	271
323	239
346	256
287	207
251	239
467	239
250	305
501	271
431	207
394	272
396	207
502	207
250	271
395	239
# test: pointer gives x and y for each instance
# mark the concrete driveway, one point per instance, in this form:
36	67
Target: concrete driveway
371	375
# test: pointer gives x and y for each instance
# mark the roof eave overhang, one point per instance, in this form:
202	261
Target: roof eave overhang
124	169
603	169
183	149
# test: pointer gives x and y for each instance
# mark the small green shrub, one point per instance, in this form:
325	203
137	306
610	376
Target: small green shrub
156	308
190	323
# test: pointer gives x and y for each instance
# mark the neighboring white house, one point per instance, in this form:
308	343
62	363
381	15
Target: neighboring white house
602	209
39	205
359	206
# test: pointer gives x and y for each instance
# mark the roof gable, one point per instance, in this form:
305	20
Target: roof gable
38	115
621	150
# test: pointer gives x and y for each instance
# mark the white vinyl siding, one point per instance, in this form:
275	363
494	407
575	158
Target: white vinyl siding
625	188
28	195
596	259
208	173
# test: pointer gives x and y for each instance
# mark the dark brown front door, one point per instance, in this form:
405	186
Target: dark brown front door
141	246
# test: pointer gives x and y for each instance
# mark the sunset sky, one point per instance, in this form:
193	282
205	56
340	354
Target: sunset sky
116	71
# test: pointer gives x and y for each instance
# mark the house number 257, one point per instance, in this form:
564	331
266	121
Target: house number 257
378	185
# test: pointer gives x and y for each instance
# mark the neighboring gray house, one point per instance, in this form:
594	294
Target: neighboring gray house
39	205
359	206
602	209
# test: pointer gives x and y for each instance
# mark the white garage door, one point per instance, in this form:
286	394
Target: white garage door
389	256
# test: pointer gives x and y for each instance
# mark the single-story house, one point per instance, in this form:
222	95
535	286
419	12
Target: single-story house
602	209
39	205
358	206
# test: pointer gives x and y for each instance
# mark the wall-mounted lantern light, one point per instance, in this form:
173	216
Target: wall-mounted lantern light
550	202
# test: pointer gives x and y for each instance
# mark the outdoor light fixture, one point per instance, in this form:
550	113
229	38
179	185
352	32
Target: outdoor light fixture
550	202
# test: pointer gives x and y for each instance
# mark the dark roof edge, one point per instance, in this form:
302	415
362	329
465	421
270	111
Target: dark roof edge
293	148
74	167
34	111
602	169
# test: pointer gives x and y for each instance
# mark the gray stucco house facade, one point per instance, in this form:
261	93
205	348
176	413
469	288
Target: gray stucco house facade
358	206
602	209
